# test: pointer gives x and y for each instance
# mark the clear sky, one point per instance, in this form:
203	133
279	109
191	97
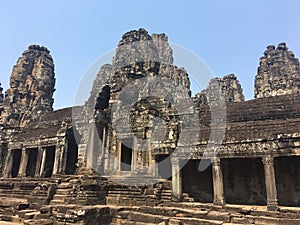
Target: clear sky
229	36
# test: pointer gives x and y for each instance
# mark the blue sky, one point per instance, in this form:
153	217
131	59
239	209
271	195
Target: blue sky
229	36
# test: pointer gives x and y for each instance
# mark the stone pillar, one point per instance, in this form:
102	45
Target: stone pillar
59	156
176	180
118	158
23	163
154	168
90	147
134	158
8	164
270	181
150	160
43	163
101	156
106	152
218	181
63	157
38	162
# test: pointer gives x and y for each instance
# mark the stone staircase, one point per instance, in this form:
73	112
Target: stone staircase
29	188
64	191
79	189
138	195
19	211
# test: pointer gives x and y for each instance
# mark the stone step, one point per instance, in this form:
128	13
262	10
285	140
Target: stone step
124	193
121	222
145	218
11	218
191	213
30	215
57	202
165	194
39	222
63	191
188	199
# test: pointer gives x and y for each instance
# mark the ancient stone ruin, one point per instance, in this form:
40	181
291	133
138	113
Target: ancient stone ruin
31	87
142	150
278	73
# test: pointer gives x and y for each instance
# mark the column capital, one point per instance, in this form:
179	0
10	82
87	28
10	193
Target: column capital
268	160
216	161
175	161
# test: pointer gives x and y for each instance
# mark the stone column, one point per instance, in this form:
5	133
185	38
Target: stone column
218	181
134	158
38	162
176	180
150	160
270	181
23	163
101	156
43	163
118	158
8	164
106	152
154	168
59	156
91	146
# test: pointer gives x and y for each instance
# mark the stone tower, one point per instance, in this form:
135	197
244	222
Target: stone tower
1	103
278	73
230	87
31	87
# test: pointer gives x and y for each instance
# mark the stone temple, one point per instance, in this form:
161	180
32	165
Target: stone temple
141	150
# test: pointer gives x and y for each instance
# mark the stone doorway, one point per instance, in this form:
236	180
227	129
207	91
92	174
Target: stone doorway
164	166
287	175
72	153
49	161
198	184
31	163
16	160
244	181
126	154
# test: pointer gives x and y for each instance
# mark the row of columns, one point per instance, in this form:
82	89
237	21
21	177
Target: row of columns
59	162
217	174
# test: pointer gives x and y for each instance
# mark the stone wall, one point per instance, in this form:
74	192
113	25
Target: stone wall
31	87
278	73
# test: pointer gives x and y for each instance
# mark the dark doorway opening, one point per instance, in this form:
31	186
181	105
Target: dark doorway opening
31	163
16	160
72	153
244	181
3	155
287	175
49	163
198	184
126	155
164	166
